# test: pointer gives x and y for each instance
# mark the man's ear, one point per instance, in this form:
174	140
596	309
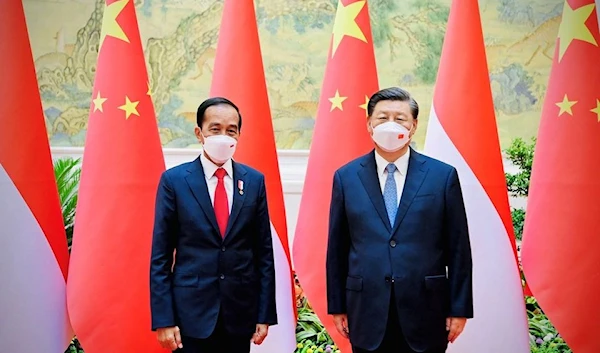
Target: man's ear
415	126
198	133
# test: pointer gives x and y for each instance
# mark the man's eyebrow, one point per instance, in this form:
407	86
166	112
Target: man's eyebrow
390	111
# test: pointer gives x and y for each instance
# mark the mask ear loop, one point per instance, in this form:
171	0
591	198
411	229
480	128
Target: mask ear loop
410	130
372	127
409	135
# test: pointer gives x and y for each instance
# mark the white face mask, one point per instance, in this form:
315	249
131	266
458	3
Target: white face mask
220	148
390	136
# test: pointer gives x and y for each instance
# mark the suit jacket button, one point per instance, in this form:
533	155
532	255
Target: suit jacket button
222	277
393	243
223	249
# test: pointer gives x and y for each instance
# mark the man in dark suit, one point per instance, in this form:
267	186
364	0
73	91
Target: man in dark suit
219	294
399	258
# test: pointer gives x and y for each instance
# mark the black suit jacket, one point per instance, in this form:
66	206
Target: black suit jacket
235	275
366	256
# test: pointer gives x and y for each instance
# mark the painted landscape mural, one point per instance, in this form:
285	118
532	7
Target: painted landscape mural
180	38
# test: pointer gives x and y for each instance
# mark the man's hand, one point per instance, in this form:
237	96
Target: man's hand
262	330
455	326
169	337
341	324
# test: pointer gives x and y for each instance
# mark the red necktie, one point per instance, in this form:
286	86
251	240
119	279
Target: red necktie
221	203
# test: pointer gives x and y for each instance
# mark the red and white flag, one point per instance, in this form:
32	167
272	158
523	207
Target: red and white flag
561	238
33	243
239	76
462	132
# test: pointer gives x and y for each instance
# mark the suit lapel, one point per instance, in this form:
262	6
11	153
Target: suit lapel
197	183
370	180
414	179
239	174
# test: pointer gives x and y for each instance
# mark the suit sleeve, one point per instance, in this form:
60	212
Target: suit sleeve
458	250
338	248
267	309
163	245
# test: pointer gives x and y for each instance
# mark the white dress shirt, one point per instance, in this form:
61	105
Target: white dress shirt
399	175
211	179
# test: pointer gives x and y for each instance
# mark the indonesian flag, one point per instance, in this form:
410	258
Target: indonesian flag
462	132
108	289
340	135
239	76
561	240
33	244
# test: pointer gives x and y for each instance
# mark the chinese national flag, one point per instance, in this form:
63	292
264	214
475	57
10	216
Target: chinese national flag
561	239
108	287
340	135
33	245
243	82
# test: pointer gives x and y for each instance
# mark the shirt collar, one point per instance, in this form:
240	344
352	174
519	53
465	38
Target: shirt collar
210	168
401	163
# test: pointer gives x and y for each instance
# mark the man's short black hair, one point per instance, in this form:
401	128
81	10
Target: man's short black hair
215	101
393	94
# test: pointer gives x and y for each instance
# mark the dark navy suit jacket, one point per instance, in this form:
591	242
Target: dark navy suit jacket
234	274
366	256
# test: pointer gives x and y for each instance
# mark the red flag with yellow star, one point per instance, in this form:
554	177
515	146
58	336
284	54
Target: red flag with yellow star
340	135
108	287
243	81
560	242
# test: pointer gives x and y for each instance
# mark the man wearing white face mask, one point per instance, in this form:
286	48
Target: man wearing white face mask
399	268
218	294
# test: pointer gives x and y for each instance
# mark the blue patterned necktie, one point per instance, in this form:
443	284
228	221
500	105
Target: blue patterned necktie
390	195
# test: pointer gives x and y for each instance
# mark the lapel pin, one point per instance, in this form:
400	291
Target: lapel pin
241	186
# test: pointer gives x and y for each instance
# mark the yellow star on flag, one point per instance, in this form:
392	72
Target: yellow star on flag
365	106
98	101
597	109
336	101
345	23
565	106
130	108
110	27
573	27
149	90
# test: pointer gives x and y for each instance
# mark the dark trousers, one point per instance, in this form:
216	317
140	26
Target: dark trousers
393	340
219	341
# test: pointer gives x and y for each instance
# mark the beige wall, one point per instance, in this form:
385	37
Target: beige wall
292	165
